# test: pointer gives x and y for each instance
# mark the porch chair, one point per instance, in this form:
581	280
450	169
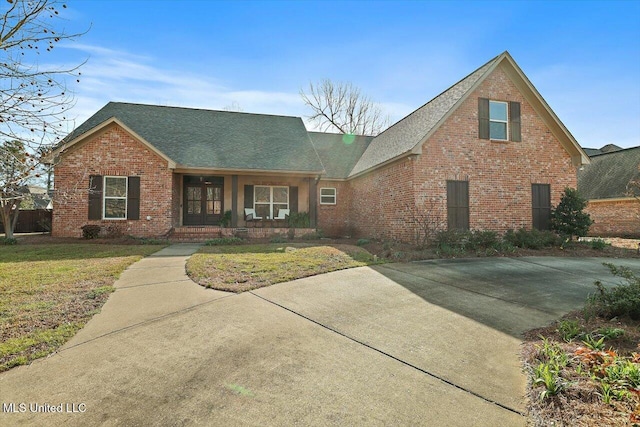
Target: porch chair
282	215
250	216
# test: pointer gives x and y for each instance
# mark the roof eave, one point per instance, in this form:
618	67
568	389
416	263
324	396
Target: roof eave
578	156
99	128
241	171
383	164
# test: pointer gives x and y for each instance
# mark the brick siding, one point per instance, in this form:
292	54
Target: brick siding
615	218
112	152
500	175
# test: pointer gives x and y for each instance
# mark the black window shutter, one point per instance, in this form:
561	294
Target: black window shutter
95	197
541	206
458	205
293	199
133	198
483	118
248	196
514	121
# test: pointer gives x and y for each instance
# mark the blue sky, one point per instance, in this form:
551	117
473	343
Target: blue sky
582	56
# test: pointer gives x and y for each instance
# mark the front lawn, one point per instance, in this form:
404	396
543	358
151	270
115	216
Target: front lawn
49	291
239	268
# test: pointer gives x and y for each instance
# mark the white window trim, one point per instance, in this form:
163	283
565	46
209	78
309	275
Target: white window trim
334	195
271	202
499	121
105	198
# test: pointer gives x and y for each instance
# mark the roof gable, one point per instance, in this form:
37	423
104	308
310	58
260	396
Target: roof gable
208	139
339	153
609	174
407	136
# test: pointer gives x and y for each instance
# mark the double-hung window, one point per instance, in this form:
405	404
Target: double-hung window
268	200
327	196
498	120
115	197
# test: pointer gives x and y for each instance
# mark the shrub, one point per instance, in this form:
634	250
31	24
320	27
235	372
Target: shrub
225	221
622	300
318	234
7	241
531	239
299	220
452	240
90	231
148	240
277	238
113	231
362	242
598	244
483	240
569	219
221	241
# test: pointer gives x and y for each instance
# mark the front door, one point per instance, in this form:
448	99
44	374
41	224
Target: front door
203	203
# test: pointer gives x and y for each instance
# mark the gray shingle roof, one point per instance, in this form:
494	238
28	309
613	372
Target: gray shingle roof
406	134
339	153
198	138
608	174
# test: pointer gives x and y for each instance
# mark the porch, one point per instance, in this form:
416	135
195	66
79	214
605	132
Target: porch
214	204
202	233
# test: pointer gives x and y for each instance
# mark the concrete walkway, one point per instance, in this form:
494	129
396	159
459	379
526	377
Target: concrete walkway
152	288
432	343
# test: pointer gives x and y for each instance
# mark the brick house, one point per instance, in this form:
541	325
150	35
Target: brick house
487	153
607	183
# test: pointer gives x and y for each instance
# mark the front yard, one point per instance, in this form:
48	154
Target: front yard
49	291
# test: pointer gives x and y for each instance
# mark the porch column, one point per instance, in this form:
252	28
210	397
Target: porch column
313	203
234	201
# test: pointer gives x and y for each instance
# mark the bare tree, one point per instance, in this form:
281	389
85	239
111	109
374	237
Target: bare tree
342	107
426	219
33	100
234	107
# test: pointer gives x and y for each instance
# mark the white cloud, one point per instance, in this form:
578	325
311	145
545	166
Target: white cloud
112	75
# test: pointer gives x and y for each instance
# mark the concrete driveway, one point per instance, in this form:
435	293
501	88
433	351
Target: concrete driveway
430	343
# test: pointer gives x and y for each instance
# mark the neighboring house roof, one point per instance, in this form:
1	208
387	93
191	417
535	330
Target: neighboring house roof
339	153
606	149
592	151
208	139
407	136
35	197
609	174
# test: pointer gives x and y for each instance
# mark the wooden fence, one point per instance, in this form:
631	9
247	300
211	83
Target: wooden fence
32	221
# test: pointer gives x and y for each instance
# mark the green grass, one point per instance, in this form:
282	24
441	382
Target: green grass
49	291
244	267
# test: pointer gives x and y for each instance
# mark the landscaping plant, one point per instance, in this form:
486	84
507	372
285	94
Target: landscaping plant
568	218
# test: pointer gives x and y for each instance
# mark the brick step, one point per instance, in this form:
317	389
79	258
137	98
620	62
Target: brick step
195	234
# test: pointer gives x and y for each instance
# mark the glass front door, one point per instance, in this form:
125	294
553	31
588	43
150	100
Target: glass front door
203	203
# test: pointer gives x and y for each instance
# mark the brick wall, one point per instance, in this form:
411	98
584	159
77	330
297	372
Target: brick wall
615	218
112	152
382	200
500	174
334	220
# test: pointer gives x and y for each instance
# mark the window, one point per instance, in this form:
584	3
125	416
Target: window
458	205
114	197
268	200
499	120
327	196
